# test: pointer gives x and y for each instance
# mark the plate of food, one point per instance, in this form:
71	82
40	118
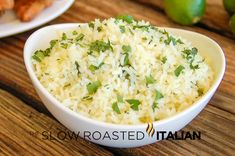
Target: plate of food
119	75
22	15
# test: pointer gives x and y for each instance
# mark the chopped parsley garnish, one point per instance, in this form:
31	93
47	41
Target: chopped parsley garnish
64	36
87	98
115	104
190	55
134	104
157	97
100	28
64	45
200	92
154	106
127	18
100	45
116	108
94	68
126	48
79	37
179	41
194	66
169	40
149	79
77	67
122	29
93	87
178	70
142	27
150	41
53	43
47	51
38	55
74	32
126	60
120	98
91	25
164	59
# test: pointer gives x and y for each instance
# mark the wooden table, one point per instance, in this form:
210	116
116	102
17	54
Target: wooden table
23	116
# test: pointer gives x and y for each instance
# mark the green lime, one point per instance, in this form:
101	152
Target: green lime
229	5
185	12
232	24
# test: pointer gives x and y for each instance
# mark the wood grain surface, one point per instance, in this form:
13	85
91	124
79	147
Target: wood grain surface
217	121
22	132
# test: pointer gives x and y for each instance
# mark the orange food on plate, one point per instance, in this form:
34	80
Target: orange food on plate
26	10
6	4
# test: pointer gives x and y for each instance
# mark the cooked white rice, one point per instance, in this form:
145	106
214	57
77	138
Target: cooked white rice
151	77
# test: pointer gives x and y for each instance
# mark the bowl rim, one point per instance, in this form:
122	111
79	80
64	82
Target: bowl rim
28	63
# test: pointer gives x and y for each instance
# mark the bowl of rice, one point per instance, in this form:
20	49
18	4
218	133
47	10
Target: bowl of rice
110	79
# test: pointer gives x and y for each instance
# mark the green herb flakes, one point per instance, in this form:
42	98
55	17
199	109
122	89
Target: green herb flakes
53	43
126	48
142	27
64	36
94	68
91	25
127	18
120	98
126	60
164	59
134	104
100	28
77	67
190	56
79	37
64	45
193	66
87	98
38	55
178	70
169	40
93	87
122	29
100	45
149	79
116	108
154	106
179	41
200	92
158	96
74	32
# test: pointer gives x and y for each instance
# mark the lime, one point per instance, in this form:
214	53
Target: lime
185	12
232	24
229	5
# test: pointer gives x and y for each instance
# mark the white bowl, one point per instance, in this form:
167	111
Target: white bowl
78	123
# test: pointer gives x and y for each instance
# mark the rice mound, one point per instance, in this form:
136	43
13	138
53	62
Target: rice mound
123	71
